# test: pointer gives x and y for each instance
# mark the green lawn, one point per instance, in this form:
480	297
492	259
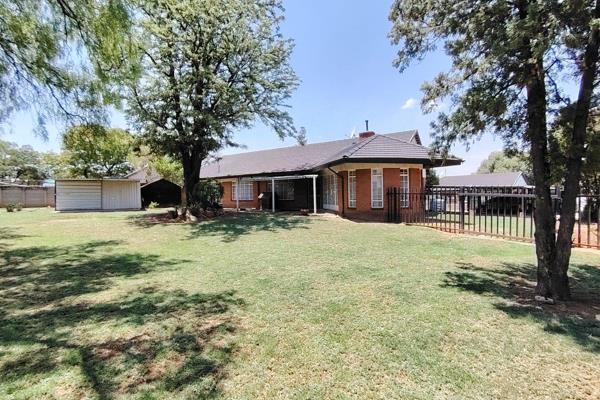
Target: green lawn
111	305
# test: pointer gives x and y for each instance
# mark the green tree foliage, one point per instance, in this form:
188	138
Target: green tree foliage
209	67
56	164
57	57
560	143
431	178
502	161
21	164
507	57
168	168
207	194
95	151
301	138
163	165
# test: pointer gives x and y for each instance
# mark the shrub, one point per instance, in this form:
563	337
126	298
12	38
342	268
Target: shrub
10	207
152	205
19	206
206	195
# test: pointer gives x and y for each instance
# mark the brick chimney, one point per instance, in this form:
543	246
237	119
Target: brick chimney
364	135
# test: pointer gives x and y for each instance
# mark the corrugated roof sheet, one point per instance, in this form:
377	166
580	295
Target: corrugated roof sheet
495	179
316	155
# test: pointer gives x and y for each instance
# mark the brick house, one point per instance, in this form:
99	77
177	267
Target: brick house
349	176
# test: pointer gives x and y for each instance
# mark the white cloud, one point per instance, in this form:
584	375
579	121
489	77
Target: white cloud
410	103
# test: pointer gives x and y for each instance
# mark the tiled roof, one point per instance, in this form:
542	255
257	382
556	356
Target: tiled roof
314	156
495	179
408	136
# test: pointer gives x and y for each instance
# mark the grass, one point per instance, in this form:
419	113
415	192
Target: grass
519	227
111	305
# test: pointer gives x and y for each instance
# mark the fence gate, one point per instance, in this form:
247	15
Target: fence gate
505	212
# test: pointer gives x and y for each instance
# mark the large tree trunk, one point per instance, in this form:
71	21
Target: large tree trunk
543	217
191	162
560	279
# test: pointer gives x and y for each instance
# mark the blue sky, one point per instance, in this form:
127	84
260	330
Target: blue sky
344	60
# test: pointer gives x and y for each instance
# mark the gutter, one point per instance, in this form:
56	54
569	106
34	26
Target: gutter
343	191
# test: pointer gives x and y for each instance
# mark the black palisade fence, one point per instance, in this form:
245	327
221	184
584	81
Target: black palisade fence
504	211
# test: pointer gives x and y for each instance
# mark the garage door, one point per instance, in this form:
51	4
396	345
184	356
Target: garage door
78	195
121	195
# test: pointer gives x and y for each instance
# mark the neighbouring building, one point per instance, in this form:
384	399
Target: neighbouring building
156	189
497	179
348	176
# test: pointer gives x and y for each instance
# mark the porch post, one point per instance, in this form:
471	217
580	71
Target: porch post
314	194
237	196
273	194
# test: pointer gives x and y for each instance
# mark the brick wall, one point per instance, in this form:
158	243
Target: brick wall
229	203
391	178
362	211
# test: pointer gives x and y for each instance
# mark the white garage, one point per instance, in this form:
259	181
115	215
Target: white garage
98	194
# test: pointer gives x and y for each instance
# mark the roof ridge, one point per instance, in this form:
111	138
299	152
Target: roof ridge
288	147
361	144
405	141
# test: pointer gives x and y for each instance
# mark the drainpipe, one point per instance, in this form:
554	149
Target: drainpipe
343	194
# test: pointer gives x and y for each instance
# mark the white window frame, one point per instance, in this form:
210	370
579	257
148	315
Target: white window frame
246	192
352	189
376	203
330	198
405	188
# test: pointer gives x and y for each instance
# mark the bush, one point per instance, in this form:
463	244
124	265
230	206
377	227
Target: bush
207	195
10	207
19	206
152	205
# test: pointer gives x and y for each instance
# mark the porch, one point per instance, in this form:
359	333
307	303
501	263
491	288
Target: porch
292	193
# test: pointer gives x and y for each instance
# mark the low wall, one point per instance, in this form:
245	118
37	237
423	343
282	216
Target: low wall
28	196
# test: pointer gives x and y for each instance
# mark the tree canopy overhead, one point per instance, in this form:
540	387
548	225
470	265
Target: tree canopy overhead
57	56
508	58
209	67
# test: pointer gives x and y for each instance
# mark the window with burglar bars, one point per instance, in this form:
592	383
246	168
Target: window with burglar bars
283	189
352	189
404	188
245	192
377	188
329	191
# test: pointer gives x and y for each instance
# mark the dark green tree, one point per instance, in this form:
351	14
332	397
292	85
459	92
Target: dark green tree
431	178
507	57
209	67
560	143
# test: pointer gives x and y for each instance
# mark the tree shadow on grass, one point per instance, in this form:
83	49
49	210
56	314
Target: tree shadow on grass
8	235
514	286
152	341
231	226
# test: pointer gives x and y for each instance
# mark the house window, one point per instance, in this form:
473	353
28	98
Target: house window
377	188
245	192
283	189
330	192
404	188
352	189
